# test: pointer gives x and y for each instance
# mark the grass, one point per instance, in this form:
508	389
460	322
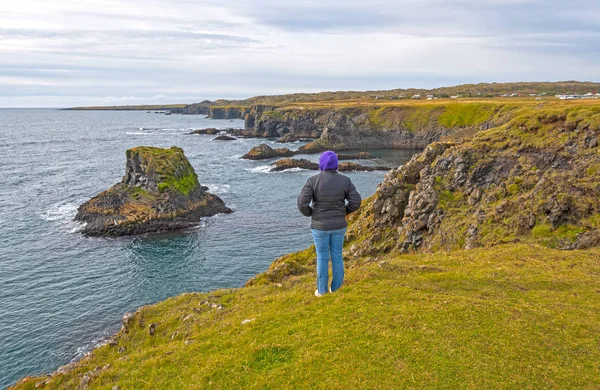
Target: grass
512	316
461	115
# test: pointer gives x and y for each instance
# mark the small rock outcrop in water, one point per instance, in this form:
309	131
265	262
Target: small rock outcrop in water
264	151
350	167
159	192
224	137
287	139
289	163
210	131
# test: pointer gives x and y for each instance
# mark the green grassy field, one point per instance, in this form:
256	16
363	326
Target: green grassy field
514	316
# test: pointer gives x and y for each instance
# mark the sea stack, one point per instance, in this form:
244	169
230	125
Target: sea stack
159	192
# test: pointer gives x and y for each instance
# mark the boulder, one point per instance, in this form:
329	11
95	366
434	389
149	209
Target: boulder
264	151
224	137
159	192
288	163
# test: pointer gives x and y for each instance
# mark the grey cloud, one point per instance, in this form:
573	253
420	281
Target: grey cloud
194	56
427	17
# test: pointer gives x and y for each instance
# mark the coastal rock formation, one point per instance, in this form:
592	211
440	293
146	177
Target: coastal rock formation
534	180
289	163
160	191
264	151
210	131
224	137
228	112
353	167
346	127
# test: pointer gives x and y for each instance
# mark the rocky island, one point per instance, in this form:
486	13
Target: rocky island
159	192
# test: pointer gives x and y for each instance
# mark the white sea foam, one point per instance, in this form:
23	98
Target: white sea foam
97	342
218	188
295	169
260	169
60	212
137	133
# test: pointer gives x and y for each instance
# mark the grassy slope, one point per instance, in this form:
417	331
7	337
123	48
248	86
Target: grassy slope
512	316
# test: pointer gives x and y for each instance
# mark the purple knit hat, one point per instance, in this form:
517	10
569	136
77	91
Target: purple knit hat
328	161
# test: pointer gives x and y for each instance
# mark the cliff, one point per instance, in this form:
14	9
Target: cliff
400	126
160	191
228	112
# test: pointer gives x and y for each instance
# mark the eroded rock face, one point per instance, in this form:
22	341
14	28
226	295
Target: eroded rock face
367	127
264	151
535	182
159	192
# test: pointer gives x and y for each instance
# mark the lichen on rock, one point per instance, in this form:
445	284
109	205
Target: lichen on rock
160	191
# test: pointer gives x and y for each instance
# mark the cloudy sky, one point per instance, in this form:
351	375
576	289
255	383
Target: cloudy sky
83	52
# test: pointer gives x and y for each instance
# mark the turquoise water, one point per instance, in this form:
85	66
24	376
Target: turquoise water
61	293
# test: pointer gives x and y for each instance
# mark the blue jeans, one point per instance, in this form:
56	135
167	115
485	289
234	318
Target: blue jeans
329	242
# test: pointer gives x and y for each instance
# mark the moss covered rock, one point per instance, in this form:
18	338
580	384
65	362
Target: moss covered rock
159	192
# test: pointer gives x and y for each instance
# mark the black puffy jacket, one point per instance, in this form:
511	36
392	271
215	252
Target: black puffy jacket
328	192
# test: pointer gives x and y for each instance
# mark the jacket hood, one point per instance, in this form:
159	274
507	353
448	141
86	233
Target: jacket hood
328	161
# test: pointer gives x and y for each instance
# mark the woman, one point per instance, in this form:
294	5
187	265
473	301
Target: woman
328	191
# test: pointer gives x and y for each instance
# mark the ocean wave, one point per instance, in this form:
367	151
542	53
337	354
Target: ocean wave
295	169
137	133
218	188
260	169
60	212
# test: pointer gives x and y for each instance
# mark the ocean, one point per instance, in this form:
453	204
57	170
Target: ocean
61	293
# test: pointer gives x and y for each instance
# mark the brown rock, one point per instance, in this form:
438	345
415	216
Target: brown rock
264	151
